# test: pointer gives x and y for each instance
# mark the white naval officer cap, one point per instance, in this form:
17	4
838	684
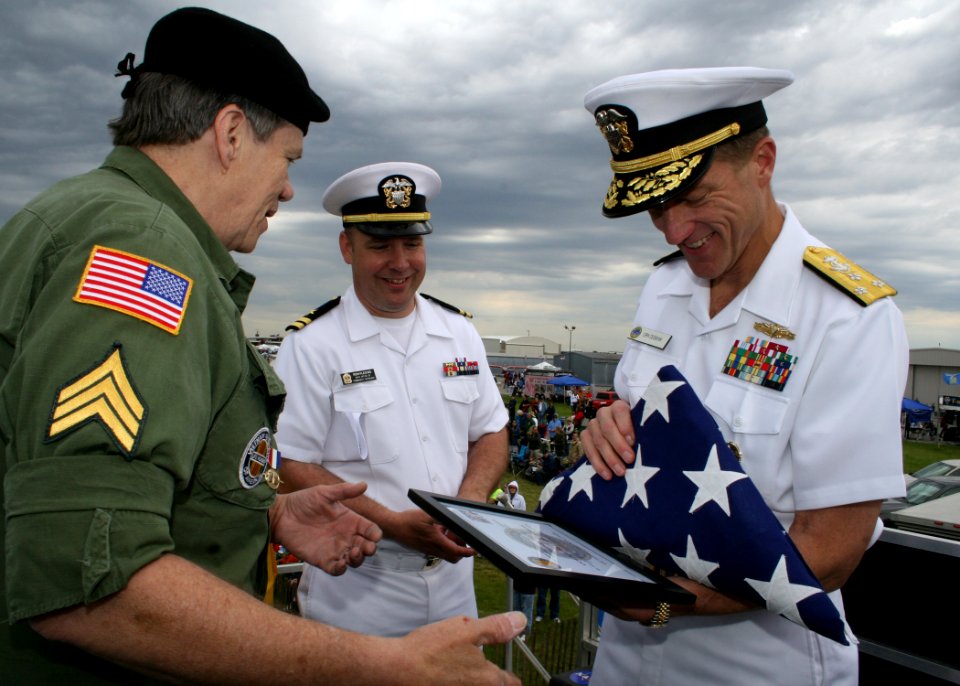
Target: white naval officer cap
663	127
385	199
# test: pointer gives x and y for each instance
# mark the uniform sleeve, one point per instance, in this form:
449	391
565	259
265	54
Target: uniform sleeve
306	417
846	440
103	416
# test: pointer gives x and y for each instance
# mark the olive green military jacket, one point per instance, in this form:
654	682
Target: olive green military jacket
135	419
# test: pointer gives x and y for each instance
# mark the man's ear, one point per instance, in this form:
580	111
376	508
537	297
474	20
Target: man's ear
230	130
346	247
765	158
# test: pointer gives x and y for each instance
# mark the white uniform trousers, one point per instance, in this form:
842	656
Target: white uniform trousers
388	599
755	648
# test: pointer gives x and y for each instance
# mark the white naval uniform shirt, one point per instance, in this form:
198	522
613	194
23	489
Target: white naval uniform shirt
410	427
829	437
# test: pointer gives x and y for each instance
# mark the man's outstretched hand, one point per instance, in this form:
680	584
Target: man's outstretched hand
315	526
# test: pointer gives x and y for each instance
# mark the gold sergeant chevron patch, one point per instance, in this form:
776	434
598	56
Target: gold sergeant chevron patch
849	277
104	395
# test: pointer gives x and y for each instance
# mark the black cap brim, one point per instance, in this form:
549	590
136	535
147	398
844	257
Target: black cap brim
392	229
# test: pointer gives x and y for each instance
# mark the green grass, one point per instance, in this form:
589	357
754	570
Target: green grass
917	454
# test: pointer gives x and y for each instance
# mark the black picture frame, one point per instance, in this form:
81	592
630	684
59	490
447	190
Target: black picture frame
537	552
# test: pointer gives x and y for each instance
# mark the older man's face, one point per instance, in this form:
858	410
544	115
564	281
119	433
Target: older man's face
261	183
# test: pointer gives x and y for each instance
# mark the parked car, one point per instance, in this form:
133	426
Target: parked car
939	517
941	468
603	398
920	491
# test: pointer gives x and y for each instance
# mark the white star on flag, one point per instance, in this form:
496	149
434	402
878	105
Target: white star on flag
780	595
582	480
695	568
637	479
712	483
636	554
548	490
655	398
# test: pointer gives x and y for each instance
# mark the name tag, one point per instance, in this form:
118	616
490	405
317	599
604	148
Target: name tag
358	376
657	339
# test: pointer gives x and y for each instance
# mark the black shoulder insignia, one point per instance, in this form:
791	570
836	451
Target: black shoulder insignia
669	258
850	278
313	315
447	306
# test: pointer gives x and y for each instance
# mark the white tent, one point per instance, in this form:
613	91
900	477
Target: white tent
544	367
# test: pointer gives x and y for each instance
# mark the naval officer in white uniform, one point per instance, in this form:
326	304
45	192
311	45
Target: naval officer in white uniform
799	354
392	388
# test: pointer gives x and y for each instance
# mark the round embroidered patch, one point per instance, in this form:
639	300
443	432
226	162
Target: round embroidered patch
255	459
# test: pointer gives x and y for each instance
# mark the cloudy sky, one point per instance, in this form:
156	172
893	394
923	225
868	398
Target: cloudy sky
490	94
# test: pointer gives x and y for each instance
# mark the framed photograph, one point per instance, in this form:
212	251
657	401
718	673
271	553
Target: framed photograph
534	551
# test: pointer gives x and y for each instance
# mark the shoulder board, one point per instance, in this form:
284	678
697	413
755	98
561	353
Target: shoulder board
850	278
447	306
313	315
669	258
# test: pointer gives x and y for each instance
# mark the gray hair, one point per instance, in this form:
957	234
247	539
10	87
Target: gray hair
169	110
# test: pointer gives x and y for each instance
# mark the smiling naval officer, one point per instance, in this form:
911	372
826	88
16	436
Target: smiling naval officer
772	329
392	388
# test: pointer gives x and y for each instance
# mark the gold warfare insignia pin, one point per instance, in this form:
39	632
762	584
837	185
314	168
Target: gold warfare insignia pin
104	395
774	330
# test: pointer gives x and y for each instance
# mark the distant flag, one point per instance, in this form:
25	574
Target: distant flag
952	379
686	507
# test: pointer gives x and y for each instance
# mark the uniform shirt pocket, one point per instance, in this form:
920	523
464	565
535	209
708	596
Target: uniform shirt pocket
459	394
363	411
745	409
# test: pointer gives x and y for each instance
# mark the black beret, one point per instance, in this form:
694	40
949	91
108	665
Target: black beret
228	56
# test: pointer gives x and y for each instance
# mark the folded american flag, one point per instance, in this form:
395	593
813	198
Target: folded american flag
686	507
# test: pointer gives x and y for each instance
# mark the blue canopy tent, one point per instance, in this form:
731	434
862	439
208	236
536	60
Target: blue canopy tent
917	412
567	380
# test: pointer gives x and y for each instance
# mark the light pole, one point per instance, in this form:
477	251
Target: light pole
569	344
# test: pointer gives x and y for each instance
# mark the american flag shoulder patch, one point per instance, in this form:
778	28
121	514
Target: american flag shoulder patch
136	286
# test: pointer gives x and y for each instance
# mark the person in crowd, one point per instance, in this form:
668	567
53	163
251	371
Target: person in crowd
542	604
137	421
522	600
391	387
554	427
515	499
691	148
